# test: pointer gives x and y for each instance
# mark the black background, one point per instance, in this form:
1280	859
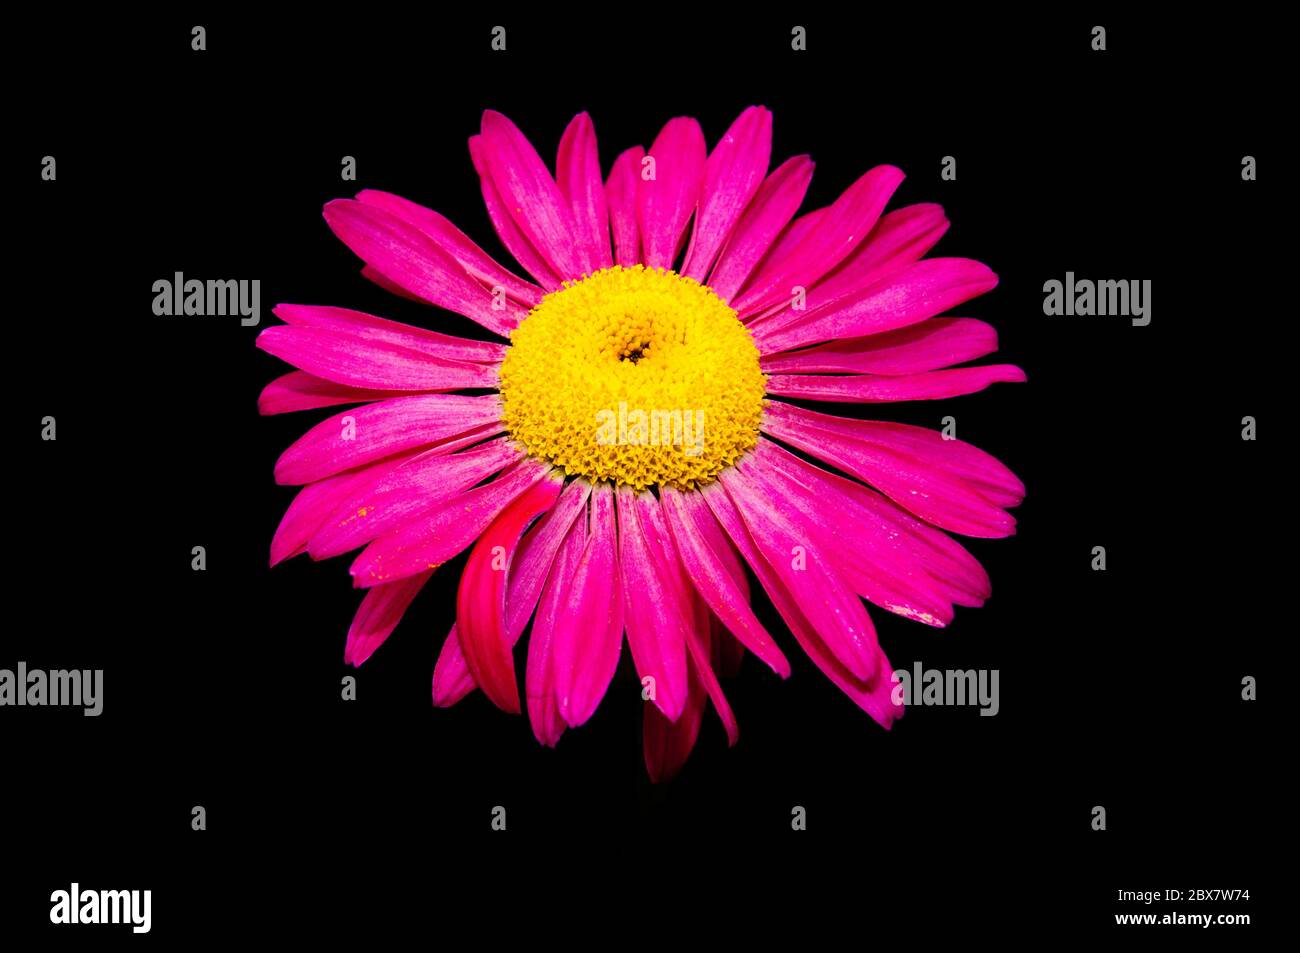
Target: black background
222	688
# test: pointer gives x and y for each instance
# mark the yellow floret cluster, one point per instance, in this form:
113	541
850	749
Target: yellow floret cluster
635	375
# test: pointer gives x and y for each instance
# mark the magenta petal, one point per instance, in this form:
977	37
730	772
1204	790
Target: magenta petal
806	570
874	389
299	390
666	744
540	676
444	531
316	501
699	643
406	493
666	201
620	193
927	288
732	175
703	549
356	362
577	173
588	632
653	616
927	346
380	611
507	228
452	680
775	203
933	494
456	243
481	599
530	196
843	227
874	561
365	434
368	328
871	695
406	256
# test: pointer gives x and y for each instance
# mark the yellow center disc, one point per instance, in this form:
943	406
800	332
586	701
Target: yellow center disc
634	375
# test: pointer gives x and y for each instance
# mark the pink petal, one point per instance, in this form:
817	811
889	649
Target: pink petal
406	493
368	328
925	289
444	531
806	570
846	223
316	501
380	611
699	643
355	362
456	243
512	236
927	346
452	680
577	173
702	545
530	196
481	600
620	193
539	681
732	175
773	206
932	494
588	630
406	256
873	696
898	240
527	572
666	202
666	744
653	616
879	566
365	434
879	530
298	390
872	389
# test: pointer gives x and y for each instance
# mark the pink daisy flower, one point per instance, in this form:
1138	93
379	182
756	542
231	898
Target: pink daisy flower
617	461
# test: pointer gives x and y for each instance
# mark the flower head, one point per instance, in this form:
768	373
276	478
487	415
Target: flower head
621	463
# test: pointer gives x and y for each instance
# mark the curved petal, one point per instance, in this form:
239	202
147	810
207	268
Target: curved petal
481	599
365	434
701	543
620	193
665	202
655	621
406	493
929	287
367	327
873	389
452	680
378	615
798	560
588	632
371	364
775	203
507	228
444	531
299	390
456	243
732	174
406	256
530	196
932	494
927	346
577	173
539	680
843	227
